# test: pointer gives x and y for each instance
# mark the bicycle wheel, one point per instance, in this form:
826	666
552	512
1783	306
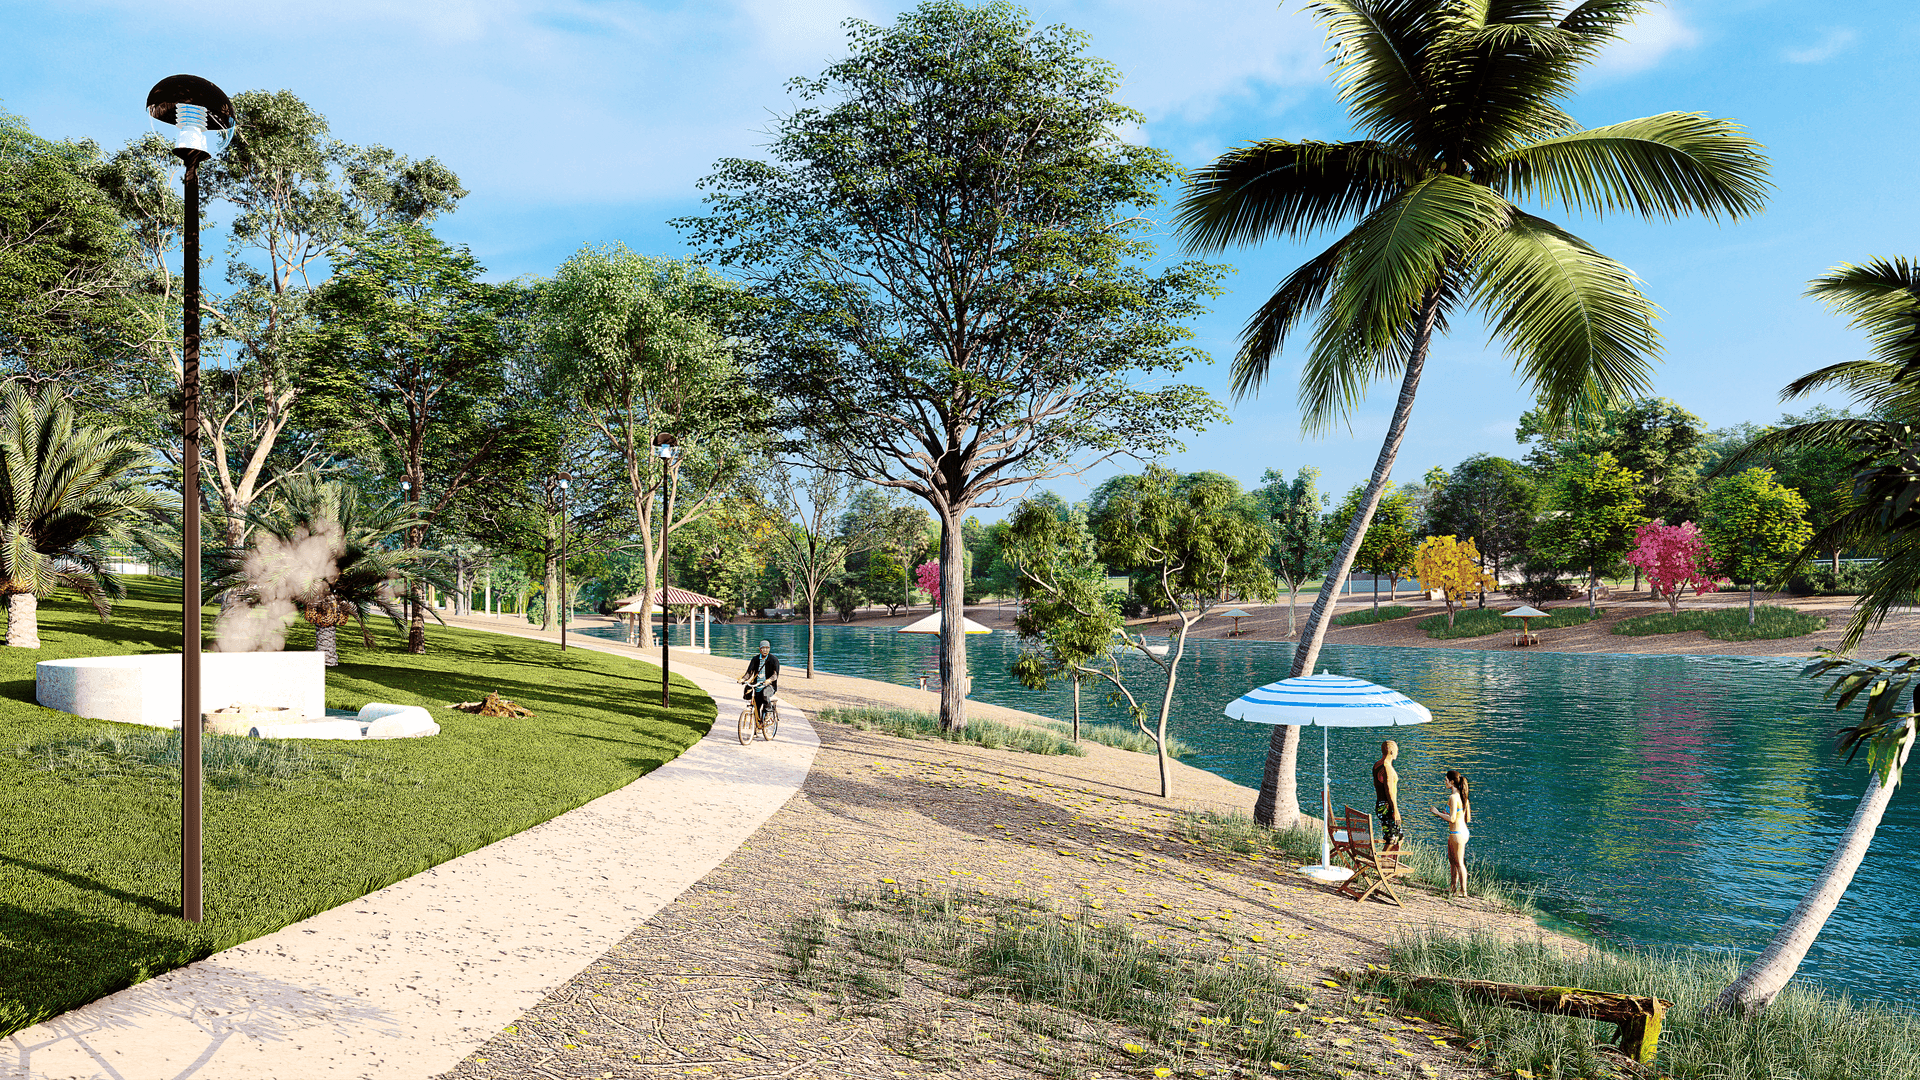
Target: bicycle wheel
746	722
772	720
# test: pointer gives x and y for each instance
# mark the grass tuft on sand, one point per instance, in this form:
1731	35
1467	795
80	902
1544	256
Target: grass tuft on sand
1726	624
1806	1034
89	878
918	724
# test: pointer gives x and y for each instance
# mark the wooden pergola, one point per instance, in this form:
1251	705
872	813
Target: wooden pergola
636	606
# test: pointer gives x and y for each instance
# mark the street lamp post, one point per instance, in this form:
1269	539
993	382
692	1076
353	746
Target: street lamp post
565	607
194	107
664	445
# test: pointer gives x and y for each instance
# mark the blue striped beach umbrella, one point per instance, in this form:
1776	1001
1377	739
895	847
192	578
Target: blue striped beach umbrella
1327	701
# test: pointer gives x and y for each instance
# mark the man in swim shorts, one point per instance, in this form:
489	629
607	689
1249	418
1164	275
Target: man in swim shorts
1386	792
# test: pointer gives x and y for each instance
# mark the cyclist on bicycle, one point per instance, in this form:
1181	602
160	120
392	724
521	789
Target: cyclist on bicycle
763	673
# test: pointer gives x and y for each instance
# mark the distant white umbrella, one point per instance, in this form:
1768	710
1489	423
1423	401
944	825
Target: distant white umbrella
931	625
1327	701
1525	613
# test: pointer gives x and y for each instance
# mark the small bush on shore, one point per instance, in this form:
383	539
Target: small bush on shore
914	724
1807	1034
1479	622
1727	624
1368	616
1122	737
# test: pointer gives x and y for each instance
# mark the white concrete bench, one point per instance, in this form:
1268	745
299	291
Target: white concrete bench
145	689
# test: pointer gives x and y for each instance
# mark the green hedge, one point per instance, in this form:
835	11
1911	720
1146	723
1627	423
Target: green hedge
1726	624
1479	622
1368	616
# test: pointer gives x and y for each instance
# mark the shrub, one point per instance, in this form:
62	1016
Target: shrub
1823	581
1544	588
1479	622
1726	624
1368	616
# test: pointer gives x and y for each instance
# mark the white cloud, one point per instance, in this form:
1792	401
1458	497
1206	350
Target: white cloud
1657	32
1830	45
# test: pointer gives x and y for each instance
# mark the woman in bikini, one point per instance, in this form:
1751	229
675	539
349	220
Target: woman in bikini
1458	815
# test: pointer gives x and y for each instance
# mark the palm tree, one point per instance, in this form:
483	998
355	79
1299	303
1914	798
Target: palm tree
1888	734
364	567
69	497
1458	103
1881	297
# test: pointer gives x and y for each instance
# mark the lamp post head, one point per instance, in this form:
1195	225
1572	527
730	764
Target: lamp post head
194	107
665	445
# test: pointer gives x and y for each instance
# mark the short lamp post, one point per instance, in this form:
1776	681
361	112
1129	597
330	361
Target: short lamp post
194	107
664	445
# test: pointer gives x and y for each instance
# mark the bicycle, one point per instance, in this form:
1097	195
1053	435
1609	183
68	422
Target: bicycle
757	718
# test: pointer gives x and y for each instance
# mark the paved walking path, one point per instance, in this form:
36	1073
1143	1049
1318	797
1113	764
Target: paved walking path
405	982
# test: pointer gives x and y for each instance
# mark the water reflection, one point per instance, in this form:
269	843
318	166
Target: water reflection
1660	800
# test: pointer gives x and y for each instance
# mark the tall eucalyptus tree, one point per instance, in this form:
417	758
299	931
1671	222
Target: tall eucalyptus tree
1458	102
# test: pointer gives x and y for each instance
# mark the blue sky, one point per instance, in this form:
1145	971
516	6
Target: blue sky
589	122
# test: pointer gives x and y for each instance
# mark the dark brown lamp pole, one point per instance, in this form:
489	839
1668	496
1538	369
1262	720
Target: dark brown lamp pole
565	607
194	107
664	445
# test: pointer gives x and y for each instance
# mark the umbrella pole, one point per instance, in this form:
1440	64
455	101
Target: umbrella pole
1326	802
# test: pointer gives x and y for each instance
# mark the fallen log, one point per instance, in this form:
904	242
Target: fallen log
494	705
1637	1019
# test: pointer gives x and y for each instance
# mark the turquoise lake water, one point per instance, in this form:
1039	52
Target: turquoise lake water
1647	800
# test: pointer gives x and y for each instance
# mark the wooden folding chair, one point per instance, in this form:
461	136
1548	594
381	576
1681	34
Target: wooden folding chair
1339	836
1371	859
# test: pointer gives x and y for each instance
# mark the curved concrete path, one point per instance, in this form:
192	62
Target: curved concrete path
405	982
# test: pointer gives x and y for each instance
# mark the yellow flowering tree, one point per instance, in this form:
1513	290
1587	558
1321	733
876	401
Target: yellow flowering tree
1453	567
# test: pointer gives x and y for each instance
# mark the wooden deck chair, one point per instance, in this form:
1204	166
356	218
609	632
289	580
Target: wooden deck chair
1339	839
1380	862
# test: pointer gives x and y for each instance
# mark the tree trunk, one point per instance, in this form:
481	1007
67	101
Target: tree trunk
550	570
326	641
953	626
1076	707
1751	586
463	589
811	594
1757	985
1293	595
1376	594
1166	707
417	618
1279	803
23	620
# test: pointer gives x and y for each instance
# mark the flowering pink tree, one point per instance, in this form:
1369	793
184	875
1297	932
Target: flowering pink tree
1675	559
927	576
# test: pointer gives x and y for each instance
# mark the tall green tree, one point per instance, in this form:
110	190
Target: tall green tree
1492	501
1387	547
1203	544
1755	527
816	533
71	497
1656	438
1302	540
1459	106
953	244
646	346
1593	509
411	365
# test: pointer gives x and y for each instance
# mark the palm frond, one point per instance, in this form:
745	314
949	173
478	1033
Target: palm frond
1598	23
1278	188
1846	432
1578	326
1266	332
1391	263
1660	166
1881	297
1378	49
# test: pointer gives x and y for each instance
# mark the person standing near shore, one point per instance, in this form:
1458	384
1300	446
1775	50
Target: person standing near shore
1458	815
1386	792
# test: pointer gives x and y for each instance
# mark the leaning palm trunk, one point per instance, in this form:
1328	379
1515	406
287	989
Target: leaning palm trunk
23	620
1279	803
1763	979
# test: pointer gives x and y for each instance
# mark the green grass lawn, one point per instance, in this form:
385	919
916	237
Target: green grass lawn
89	840
1727	624
1479	622
1368	616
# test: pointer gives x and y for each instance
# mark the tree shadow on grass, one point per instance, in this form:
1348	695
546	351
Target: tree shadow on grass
88	884
58	959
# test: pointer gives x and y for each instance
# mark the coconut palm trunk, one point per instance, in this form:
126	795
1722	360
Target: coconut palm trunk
1764	978
1279	803
326	641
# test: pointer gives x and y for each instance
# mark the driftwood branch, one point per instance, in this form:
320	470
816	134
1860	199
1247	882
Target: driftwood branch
1638	1019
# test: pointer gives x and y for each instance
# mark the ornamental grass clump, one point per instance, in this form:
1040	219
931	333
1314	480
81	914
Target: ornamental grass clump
1367	617
1727	624
914	724
1479	622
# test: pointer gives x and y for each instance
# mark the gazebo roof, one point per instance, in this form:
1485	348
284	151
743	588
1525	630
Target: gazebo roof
676	597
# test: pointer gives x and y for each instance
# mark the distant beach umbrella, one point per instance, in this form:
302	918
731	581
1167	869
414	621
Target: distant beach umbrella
931	625
1327	701
1525	613
1236	615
